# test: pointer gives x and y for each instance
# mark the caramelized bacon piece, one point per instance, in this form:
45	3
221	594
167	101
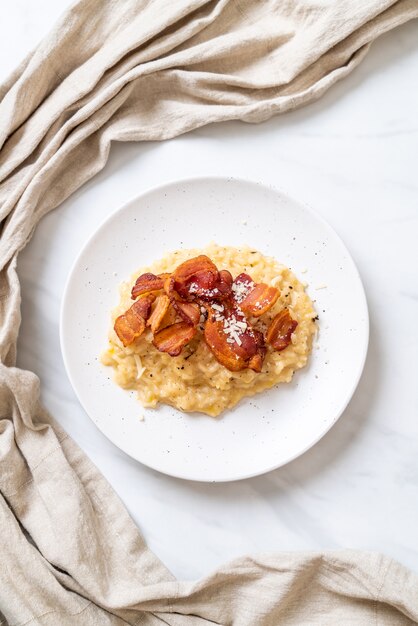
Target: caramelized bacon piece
194	268
234	354
222	289
256	361
158	314
226	277
253	298
188	311
143	305
172	339
169	288
279	333
195	277
241	287
227	354
146	283
260	299
167	280
131	324
170	317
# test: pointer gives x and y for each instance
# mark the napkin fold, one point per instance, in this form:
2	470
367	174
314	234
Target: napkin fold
148	70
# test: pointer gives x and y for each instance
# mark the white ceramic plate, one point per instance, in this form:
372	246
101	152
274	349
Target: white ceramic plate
262	432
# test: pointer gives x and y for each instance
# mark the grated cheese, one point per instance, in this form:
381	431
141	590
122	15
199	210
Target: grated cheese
241	290
233	328
139	368
236	338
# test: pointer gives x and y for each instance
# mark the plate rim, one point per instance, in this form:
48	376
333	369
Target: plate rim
284	195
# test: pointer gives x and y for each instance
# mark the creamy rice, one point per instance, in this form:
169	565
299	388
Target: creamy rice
194	380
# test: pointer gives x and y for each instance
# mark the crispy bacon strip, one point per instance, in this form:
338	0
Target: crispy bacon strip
226	277
170	317
231	354
241	287
195	277
172	339
222	289
188	311
256	361
260	299
279	333
158	314
227	354
143	305
169	287
253	298
131	324
146	283
230	337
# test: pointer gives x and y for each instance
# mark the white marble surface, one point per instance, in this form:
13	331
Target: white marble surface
353	157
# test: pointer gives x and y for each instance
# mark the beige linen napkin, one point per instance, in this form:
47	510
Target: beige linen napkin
147	70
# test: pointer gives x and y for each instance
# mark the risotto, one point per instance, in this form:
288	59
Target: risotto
196	380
